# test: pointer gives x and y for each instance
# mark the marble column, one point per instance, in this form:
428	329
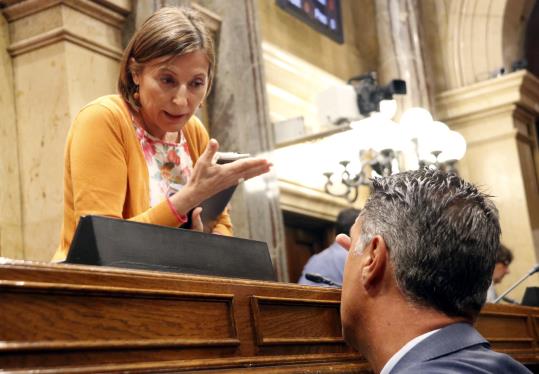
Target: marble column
10	200
401	50
238	116
64	53
498	118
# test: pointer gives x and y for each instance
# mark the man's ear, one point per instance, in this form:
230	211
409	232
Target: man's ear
375	261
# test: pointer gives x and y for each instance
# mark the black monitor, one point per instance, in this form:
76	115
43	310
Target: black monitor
531	296
120	243
323	16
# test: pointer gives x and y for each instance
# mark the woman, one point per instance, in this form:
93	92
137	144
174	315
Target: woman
143	155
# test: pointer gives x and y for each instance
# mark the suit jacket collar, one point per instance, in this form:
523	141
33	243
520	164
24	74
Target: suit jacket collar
449	339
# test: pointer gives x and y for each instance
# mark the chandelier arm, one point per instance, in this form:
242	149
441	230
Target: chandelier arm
353	195
360	178
343	195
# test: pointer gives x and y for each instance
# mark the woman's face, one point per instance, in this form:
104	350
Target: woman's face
171	90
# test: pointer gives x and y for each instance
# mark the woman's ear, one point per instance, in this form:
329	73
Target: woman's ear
134	71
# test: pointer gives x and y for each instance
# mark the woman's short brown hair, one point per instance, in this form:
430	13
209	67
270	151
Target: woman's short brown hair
168	32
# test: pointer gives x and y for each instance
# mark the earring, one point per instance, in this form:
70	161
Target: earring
136	95
201	104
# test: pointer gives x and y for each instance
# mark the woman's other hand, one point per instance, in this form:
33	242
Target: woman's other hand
196	220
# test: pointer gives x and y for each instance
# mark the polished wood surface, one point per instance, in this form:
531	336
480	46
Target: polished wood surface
67	318
87	319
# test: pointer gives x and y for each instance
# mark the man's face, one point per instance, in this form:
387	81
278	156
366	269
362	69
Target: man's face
351	294
501	269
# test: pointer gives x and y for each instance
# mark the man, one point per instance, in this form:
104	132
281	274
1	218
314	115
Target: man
504	257
329	263
420	261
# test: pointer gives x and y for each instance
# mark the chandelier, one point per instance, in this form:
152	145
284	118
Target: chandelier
386	147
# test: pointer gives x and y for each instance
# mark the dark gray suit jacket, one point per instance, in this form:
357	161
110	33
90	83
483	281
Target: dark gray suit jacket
457	348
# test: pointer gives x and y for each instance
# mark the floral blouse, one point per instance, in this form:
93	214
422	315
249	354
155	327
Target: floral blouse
169	164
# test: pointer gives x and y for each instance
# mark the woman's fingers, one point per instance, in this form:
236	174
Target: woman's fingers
251	169
209	178
246	168
254	172
209	153
196	220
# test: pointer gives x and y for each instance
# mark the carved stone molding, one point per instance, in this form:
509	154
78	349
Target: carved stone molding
66	20
211	19
472	39
309	201
103	10
64	54
58	35
504	93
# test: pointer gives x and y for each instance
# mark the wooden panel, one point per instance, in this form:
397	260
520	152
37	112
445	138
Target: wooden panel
506	330
292	321
509	329
68	318
43	316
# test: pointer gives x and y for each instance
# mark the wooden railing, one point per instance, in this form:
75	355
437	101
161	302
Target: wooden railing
66	318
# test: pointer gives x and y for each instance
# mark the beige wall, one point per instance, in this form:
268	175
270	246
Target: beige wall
10	201
61	56
497	119
466	41
358	54
300	63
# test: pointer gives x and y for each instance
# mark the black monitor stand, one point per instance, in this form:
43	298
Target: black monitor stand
126	244
531	296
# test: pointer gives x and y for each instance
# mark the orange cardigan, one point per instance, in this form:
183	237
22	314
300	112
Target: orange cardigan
105	172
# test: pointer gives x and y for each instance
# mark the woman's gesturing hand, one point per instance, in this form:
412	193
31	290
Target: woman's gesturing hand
208	177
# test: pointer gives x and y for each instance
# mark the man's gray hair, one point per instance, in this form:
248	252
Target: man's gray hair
442	234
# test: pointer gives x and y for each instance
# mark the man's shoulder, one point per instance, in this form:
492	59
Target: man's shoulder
478	359
456	348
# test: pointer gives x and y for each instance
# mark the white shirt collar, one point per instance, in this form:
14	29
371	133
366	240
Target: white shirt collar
405	349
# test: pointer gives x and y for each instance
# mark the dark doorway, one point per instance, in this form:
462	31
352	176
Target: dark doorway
305	236
531	44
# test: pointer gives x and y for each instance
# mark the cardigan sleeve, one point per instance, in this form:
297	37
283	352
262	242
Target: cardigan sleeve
198	139
99	170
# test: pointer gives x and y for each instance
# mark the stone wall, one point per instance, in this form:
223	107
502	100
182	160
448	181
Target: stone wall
357	55
11	244
63	54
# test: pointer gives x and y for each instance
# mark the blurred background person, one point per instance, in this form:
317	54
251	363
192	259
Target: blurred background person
329	263
504	257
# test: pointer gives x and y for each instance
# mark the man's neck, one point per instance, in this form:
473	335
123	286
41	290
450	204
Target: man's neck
392	329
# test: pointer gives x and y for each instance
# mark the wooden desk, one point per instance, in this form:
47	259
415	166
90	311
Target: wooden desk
66	318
